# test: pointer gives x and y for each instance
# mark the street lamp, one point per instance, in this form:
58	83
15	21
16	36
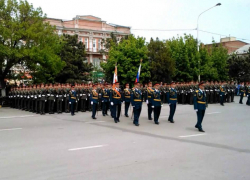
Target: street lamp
218	4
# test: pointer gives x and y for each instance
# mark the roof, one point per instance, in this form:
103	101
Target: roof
226	42
243	49
116	25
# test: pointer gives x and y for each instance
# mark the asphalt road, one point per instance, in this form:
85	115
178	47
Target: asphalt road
62	147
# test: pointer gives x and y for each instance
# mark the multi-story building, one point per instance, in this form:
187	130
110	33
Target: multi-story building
230	43
91	31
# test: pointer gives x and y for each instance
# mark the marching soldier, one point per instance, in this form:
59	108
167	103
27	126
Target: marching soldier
127	98
94	101
136	103
200	104
72	99
116	101
99	91
242	92
222	93
105	100
172	100
157	103
149	92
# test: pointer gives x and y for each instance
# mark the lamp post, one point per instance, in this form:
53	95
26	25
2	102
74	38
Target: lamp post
199	77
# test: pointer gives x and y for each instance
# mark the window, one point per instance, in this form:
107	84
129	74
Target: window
99	44
94	45
96	62
86	42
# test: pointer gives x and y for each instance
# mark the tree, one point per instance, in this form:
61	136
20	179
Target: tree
184	52
74	55
27	40
161	63
127	55
239	67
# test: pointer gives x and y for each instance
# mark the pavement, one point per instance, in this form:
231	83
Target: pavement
62	147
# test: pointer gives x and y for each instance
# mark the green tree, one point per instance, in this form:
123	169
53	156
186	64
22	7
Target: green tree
26	39
74	55
161	63
184	52
127	54
239	67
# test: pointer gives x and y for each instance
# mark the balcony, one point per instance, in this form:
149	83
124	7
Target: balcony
94	50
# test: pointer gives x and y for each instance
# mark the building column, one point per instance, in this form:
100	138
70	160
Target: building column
91	58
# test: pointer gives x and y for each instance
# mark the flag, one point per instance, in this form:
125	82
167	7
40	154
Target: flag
138	74
115	78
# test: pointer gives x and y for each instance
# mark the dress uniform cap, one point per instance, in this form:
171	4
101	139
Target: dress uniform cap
172	83
201	83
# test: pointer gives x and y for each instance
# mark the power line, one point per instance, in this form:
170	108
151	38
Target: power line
163	29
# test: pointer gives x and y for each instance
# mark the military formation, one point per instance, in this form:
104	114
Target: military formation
105	97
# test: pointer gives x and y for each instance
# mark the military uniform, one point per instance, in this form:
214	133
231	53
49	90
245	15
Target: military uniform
127	100
83	99
248	95
72	101
51	100
200	104
136	102
94	102
149	92
105	101
172	100
242	92
43	98
59	100
222	94
157	103
116	100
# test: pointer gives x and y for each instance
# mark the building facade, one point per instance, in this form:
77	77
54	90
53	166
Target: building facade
230	43
91	31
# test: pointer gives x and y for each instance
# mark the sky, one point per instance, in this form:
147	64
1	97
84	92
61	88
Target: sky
172	17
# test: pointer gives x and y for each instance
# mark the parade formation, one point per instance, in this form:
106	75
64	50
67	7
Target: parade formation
59	98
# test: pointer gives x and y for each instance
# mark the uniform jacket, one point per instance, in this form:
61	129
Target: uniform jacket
126	96
172	96
136	96
200	100
94	96
222	90
115	97
156	98
72	96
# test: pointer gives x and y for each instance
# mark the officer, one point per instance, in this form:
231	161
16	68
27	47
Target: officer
72	99
157	103
242	92
94	100
222	93
172	100
116	101
66	96
200	104
136	102
149	92
99	91
105	100
77	90
127	98
233	87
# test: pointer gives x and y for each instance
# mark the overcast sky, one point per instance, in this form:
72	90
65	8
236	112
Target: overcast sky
231	18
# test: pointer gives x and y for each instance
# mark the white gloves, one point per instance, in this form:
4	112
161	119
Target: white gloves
62	99
112	103
91	102
54	100
69	102
76	101
147	101
152	106
220	95
196	110
169	104
45	100
102	100
162	105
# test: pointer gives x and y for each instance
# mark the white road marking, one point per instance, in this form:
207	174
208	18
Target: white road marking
192	135
13	129
95	122
10	117
88	147
214	113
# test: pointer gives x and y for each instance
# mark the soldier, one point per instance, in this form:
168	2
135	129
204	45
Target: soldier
233	87
242	92
37	99
172	100
59	98
72	99
144	93
200	104
222	93
136	103
216	92
94	101
149	92
89	93
127	98
99	91
211	92
77	90
66	96
207	90
157	103
83	98
116	101
43	99
105	100
51	99
248	93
